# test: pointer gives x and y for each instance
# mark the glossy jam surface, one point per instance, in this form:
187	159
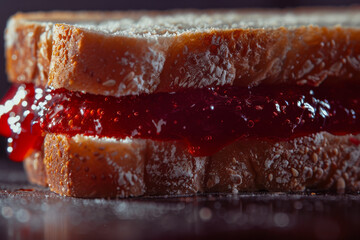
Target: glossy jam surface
205	119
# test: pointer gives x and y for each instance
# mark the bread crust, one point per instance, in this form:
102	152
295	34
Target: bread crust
29	36
87	167
317	162
171	170
22	53
90	167
102	63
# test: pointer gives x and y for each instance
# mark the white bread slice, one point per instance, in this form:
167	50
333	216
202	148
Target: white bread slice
188	50
35	168
92	167
177	49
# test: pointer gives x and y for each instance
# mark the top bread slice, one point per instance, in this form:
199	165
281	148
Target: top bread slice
122	53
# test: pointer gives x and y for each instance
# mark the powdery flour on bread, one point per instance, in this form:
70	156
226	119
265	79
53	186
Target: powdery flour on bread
124	53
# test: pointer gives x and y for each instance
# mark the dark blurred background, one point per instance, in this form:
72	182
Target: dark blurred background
9	7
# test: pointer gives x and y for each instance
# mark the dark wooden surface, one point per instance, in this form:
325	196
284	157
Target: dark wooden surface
31	212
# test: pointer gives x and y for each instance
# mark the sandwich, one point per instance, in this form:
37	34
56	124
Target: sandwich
127	104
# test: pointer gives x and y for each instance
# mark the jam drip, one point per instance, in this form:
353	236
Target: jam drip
16	117
205	119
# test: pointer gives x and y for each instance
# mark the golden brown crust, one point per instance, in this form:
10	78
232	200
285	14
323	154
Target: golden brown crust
78	16
99	64
90	168
114	65
171	170
319	162
118	64
85	167
21	55
230	169
29	40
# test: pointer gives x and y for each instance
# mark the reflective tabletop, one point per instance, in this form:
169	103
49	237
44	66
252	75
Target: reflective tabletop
32	212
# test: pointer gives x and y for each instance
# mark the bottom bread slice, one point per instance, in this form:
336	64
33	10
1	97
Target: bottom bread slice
35	168
83	166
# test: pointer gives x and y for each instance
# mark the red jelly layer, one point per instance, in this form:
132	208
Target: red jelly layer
205	119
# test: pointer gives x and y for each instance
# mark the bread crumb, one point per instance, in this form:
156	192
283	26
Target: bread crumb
270	177
340	185
319	173
294	172
109	83
315	157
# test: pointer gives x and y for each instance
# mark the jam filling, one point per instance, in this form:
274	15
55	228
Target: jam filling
205	119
